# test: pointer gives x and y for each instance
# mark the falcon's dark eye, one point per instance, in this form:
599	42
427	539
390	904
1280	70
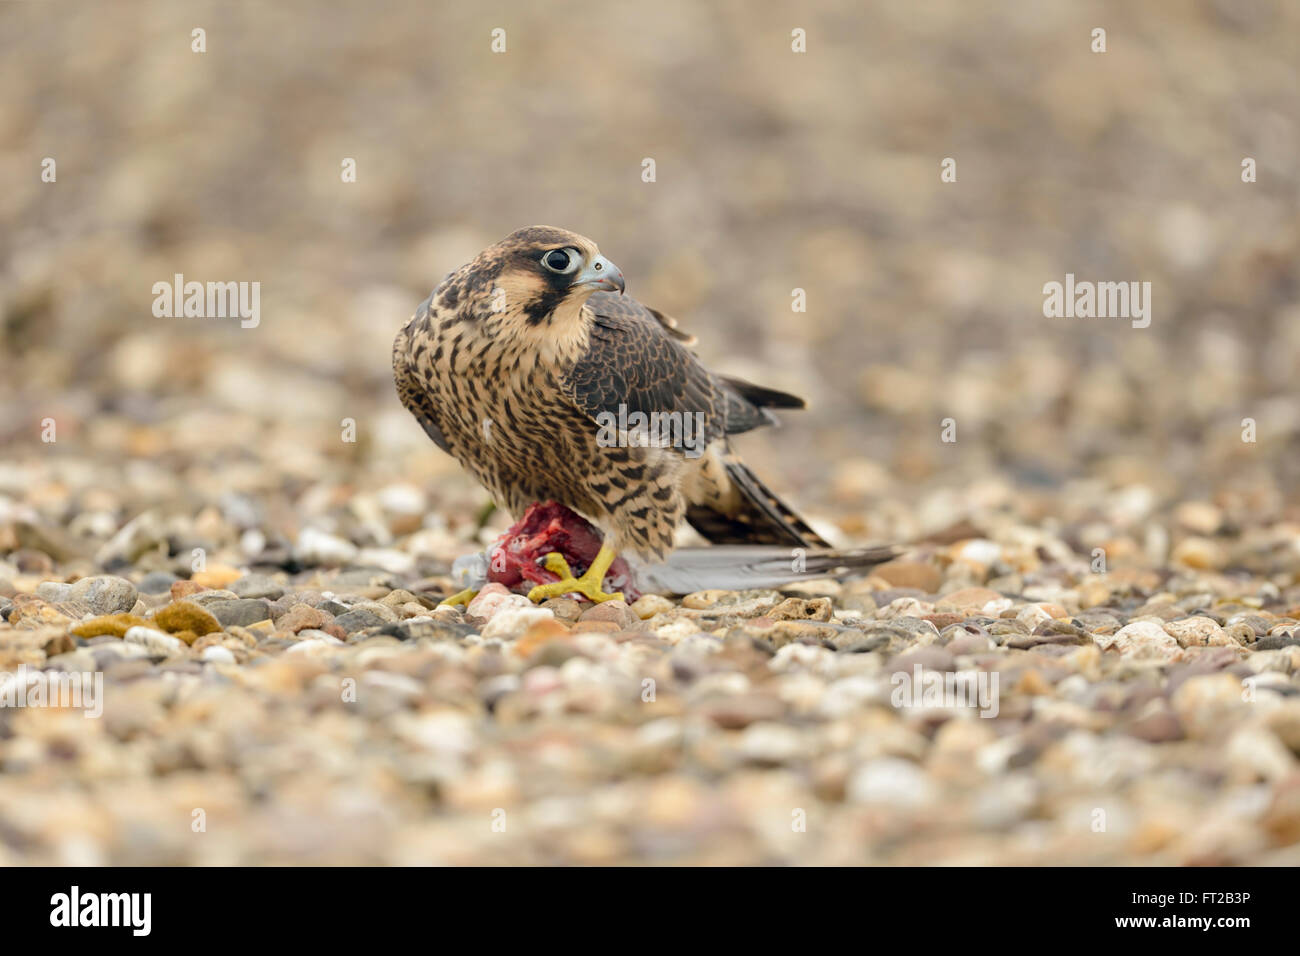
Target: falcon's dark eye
561	260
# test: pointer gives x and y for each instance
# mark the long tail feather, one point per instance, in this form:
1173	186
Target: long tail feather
762	517
736	567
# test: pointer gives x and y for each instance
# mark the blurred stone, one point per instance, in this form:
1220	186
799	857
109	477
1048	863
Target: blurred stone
155	641
910	574
317	547
1142	639
257	586
105	594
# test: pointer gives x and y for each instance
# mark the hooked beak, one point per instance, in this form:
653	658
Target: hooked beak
601	274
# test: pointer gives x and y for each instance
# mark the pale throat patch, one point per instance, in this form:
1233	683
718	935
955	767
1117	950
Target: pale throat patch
562	338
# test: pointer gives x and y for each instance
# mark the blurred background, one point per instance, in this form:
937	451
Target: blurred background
774	171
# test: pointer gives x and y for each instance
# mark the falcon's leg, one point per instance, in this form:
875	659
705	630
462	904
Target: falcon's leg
588	585
460	597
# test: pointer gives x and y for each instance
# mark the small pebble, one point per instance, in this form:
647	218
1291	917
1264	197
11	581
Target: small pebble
153	640
104	594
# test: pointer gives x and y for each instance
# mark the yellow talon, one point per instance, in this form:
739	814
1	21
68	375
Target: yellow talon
588	585
556	564
460	597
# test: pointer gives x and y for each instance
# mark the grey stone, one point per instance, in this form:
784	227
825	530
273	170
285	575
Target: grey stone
157	582
239	612
358	619
257	586
104	594
55	592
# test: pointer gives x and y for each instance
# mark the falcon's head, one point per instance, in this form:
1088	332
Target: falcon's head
539	277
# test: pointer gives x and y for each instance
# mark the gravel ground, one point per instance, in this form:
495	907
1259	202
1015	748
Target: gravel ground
305	701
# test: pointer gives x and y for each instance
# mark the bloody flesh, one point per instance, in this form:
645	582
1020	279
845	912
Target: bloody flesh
515	558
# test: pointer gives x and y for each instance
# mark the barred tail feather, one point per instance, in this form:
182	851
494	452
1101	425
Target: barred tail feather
754	515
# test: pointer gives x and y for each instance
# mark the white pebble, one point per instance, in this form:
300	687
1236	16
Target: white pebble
511	622
891	781
156	641
320	547
1141	639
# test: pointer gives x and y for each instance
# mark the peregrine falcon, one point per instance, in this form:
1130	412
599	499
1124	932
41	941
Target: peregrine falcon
532	368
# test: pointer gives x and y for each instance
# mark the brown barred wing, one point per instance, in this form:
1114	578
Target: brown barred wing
634	363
